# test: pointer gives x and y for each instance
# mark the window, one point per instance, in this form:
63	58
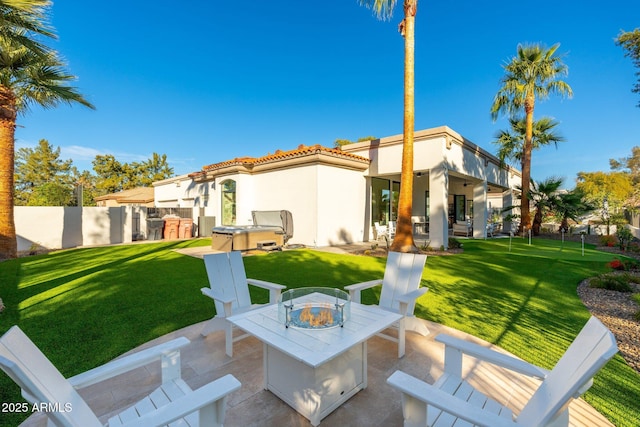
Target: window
426	205
460	207
384	200
228	204
379	200
395	192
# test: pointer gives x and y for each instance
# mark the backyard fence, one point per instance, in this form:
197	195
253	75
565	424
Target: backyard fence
42	227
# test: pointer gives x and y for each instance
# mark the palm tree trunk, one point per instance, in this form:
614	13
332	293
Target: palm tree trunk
8	243
537	222
403	240
525	211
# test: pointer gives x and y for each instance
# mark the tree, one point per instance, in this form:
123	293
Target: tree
630	164
152	170
544	197
511	142
532	74
403	240
27	77
85	182
40	173
630	42
571	205
113	176
52	194
609	192
19	17
339	143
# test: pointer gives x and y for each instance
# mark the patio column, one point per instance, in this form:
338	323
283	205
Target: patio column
480	210
439	207
507	200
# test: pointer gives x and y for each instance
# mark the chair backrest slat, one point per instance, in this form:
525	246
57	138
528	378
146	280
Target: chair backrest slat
589	352
38	378
402	275
227	277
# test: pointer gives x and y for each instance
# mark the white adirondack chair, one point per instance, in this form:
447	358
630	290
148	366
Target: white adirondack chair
43	384
229	289
400	290
453	400
392	230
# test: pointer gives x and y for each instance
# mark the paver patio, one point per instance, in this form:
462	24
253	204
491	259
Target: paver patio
378	405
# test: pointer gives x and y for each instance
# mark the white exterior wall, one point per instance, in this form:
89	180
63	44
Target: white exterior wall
328	203
68	227
342	206
331	204
295	190
245	197
182	192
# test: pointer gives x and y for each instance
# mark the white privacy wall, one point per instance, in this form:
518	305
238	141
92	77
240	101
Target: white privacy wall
69	227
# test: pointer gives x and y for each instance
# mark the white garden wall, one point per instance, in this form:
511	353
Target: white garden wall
69	227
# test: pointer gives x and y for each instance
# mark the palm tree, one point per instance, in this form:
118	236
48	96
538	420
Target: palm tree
511	142
533	73
26	77
571	205
403	240
20	17
544	197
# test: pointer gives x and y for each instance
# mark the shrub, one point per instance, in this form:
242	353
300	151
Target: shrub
616	264
634	246
608	240
612	282
454	243
624	236
426	246
636	298
624	264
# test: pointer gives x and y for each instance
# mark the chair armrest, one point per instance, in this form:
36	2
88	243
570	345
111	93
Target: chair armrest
127	363
488	355
354	290
265	285
274	289
189	403
215	296
363	285
437	398
407	302
412	296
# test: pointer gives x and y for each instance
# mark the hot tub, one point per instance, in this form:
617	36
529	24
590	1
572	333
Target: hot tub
270	229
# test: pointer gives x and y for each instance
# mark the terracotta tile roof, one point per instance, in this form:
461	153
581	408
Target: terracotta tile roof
301	151
133	195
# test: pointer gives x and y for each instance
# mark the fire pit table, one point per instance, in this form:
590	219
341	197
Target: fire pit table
315	347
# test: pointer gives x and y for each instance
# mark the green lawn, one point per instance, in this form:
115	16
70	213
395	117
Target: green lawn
84	307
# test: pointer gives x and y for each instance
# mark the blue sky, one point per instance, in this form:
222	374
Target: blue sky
207	81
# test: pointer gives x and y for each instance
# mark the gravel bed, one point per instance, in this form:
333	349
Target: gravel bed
616	310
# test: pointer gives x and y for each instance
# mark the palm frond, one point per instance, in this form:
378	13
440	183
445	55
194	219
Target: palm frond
383	9
34	78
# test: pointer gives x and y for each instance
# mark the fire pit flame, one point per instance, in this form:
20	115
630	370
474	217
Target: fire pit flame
314	308
323	317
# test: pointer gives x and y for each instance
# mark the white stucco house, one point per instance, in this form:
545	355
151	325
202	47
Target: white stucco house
336	195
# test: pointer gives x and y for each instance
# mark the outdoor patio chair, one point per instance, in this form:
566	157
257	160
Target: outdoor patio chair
392	230
451	399
463	228
229	289
381	230
400	290
43	385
